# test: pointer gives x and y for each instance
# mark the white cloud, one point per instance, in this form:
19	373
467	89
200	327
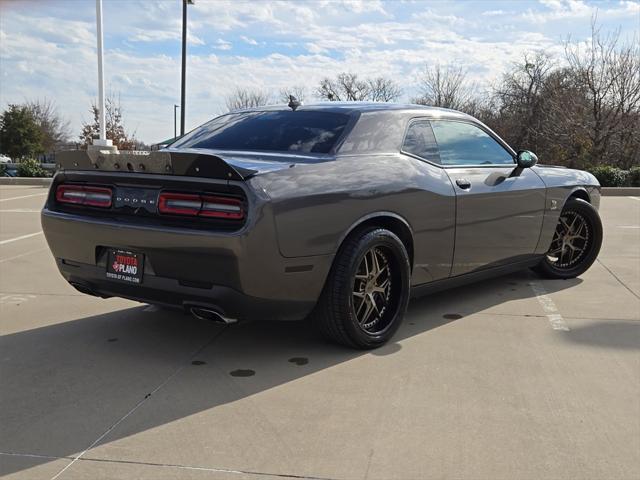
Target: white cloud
360	6
143	35
565	10
248	40
223	45
315	48
494	13
431	16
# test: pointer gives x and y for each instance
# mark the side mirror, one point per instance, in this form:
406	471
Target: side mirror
526	159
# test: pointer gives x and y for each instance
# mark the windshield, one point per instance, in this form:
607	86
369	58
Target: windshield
278	131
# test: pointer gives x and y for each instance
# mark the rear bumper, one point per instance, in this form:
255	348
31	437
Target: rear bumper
241	274
169	292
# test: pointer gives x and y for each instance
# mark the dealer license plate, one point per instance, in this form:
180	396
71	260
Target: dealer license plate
125	266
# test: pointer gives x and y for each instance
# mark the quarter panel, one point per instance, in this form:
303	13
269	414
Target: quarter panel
316	205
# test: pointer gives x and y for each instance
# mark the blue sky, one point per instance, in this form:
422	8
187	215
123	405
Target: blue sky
47	49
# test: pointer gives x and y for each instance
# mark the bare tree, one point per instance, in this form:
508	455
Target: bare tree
297	91
446	87
520	100
55	129
580	112
347	87
383	90
538	106
609	72
247	98
115	128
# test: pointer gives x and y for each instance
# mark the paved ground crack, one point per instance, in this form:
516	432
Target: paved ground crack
618	279
168	465
209	469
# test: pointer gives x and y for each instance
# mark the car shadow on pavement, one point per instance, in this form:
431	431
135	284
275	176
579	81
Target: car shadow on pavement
66	384
613	334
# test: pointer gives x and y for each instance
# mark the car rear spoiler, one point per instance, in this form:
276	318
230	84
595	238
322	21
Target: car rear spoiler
187	163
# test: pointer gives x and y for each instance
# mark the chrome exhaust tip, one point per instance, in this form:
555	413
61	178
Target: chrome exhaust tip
202	313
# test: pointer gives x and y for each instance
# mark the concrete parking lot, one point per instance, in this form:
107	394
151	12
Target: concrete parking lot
514	378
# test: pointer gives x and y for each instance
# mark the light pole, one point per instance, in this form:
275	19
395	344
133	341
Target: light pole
175	121
102	141
184	62
101	118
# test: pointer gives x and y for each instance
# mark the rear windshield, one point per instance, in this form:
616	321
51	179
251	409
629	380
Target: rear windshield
281	131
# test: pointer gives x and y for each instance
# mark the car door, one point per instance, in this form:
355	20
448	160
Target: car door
499	208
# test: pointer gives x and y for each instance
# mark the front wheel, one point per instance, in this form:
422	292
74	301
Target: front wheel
367	292
576	241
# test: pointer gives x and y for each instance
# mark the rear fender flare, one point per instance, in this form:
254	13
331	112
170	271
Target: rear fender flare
381	215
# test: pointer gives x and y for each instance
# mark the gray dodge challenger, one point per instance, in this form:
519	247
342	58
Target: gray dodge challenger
337	212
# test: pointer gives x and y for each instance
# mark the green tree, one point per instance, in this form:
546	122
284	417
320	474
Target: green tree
20	136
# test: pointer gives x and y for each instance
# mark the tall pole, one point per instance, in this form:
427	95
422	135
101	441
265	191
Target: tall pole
184	65
175	122
101	118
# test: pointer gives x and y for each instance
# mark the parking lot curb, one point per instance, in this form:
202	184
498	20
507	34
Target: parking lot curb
42	182
621	191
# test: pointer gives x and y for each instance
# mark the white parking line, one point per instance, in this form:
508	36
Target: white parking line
22	237
30	252
635	198
549	306
20	210
15	298
23	196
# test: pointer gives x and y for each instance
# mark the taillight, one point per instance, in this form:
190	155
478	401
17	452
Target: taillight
179	203
222	207
229	208
83	195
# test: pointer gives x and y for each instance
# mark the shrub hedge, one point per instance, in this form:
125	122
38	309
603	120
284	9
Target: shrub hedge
609	176
634	177
30	167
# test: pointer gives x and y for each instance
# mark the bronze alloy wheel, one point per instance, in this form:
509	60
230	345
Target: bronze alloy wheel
372	290
571	241
367	291
576	241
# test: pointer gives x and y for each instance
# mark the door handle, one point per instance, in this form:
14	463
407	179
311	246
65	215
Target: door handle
463	183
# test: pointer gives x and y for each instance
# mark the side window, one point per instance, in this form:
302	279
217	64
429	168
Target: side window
466	144
420	141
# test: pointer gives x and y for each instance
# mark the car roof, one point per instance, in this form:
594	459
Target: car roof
362	107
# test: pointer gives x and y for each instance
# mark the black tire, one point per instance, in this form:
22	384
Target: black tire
336	316
575	208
